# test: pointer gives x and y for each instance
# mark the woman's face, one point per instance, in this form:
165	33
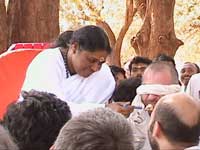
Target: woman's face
85	62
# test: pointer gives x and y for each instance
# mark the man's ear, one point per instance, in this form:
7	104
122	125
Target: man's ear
52	147
74	47
157	132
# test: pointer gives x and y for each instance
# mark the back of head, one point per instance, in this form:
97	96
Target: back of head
115	70
91	38
179	124
35	122
126	90
6	142
99	129
63	40
166	58
197	67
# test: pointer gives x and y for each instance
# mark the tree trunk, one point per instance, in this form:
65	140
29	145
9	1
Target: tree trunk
3	27
112	39
116	44
141	7
157	34
130	12
33	21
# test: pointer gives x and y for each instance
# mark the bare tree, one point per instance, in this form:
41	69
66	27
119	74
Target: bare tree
157	33
28	21
116	42
3	27
117	45
33	21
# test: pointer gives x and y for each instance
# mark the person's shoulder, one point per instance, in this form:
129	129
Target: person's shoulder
104	68
195	77
193	148
103	73
50	51
48	54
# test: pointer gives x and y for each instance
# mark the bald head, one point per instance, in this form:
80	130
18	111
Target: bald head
161	73
179	117
184	106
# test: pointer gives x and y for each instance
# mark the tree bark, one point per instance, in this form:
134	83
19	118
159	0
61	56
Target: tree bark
116	44
157	33
111	37
108	30
130	12
33	21
141	7
3	27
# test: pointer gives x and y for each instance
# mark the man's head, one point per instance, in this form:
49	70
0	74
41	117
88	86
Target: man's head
126	90
187	71
118	73
89	47
99	129
175	122
35	122
158	73
138	65
165	58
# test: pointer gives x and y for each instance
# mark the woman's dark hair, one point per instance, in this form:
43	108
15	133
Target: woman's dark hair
91	38
63	40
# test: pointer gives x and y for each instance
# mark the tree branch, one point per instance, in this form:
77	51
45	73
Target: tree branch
130	12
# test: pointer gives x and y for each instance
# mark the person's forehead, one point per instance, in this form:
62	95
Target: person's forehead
158	77
188	65
139	65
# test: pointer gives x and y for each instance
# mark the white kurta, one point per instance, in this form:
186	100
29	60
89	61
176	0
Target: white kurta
47	73
193	87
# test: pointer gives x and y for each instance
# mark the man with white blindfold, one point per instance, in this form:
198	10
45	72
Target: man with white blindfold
159	79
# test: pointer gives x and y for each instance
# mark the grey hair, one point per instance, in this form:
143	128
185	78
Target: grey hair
160	66
6	142
98	129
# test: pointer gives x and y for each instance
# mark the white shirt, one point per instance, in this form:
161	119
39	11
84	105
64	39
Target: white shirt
47	73
193	87
139	120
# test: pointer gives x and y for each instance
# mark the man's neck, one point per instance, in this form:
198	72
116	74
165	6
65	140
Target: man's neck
172	146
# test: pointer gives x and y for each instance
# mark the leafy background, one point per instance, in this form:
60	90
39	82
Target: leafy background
186	19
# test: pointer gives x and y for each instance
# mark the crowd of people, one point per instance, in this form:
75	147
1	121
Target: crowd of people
71	99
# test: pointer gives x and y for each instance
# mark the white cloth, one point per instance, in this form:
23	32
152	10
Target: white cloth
193	87
139	118
47	73
193	148
158	89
